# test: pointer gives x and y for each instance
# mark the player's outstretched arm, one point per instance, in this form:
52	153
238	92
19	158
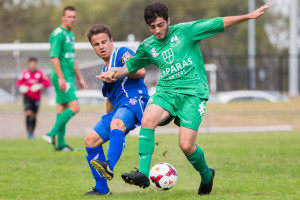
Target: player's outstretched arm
233	20
114	74
141	73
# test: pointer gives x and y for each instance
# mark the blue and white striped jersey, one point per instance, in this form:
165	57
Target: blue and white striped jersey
124	88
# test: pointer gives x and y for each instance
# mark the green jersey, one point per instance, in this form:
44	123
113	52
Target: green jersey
178	56
62	46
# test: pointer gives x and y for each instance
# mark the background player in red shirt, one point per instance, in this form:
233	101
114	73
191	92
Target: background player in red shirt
30	83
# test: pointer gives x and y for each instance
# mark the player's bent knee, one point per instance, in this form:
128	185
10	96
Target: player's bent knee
187	148
117	124
93	140
149	122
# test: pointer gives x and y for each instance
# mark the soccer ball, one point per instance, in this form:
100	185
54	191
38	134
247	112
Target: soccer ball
163	176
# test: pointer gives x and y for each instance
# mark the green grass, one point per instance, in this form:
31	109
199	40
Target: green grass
248	166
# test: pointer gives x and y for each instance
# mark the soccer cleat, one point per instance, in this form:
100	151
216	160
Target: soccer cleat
95	192
66	148
206	188
104	168
136	178
50	140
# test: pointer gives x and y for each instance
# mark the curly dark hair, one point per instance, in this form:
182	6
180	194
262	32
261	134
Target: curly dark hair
155	10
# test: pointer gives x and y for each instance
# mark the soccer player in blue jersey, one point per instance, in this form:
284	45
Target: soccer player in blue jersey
126	101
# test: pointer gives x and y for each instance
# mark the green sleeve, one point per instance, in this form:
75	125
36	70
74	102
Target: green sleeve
56	42
139	60
198	30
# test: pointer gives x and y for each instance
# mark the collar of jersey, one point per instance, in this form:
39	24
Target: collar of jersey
112	60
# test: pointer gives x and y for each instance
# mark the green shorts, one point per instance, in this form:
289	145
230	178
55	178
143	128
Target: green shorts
186	109
63	97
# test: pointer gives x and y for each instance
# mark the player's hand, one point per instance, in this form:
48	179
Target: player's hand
83	84
258	12
36	87
23	89
62	84
108	76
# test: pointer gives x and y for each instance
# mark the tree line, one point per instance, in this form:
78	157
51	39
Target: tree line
32	21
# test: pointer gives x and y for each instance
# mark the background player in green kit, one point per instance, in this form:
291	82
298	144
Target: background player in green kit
182	90
63	69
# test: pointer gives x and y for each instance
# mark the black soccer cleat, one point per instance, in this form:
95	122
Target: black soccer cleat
50	140
136	178
206	188
66	148
104	168
95	192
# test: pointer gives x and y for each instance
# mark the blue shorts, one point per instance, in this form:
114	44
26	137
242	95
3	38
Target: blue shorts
123	113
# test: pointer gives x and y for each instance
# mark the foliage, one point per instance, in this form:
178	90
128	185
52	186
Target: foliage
33	22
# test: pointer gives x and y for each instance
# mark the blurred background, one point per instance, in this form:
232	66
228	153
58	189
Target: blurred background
249	67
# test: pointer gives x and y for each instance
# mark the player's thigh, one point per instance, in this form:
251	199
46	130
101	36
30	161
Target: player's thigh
154	115
64	97
93	139
124	119
190	111
100	132
187	140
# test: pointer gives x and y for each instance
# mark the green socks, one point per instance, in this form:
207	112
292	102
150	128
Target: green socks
61	120
59	127
146	149
197	159
61	137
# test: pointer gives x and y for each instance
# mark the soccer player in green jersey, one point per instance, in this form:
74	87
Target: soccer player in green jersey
63	69
182	90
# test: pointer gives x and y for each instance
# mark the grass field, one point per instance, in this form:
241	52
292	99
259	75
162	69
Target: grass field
248	166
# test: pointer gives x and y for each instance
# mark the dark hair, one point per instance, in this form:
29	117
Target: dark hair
155	10
98	28
32	59
72	8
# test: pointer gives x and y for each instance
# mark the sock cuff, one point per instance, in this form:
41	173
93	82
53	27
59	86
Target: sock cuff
116	132
69	111
147	132
196	153
94	149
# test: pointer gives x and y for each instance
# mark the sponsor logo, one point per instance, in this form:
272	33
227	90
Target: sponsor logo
153	52
68	86
126	56
26	75
68	40
150	100
149	42
132	101
70	55
37	75
168	56
176	68
174	41
201	108
57	31
186	121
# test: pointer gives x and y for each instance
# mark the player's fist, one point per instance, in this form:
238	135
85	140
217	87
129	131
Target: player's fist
36	87
23	89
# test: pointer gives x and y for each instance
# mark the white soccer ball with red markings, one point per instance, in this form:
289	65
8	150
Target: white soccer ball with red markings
163	176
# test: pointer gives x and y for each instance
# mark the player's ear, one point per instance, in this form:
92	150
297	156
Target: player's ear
169	20
112	39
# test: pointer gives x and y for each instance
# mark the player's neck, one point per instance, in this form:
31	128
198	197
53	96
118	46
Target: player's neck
66	27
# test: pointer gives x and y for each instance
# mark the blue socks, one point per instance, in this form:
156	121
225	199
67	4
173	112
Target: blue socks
116	146
98	154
